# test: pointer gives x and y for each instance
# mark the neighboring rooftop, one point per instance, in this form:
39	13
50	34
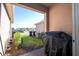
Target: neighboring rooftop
40	22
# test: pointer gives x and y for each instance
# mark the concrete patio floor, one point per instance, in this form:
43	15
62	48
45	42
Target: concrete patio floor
38	52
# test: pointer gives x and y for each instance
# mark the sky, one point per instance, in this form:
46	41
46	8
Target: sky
25	18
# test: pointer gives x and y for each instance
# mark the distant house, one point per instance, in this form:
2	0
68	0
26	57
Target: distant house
26	32
39	27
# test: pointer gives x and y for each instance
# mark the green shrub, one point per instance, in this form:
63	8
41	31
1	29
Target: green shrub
28	41
17	36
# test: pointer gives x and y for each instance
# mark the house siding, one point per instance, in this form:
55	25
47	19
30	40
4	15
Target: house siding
40	27
5	27
0	30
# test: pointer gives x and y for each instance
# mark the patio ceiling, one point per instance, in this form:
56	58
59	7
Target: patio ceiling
48	4
34	6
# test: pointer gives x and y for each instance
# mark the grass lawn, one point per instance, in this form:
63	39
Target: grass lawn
27	41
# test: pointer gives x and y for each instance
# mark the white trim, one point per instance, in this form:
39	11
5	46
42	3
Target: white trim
75	12
73	30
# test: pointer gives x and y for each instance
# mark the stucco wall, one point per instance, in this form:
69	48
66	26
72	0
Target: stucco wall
60	17
5	27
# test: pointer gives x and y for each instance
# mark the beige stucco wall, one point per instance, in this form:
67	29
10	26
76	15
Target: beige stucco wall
60	17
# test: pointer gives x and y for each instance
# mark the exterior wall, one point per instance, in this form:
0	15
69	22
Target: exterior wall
0	30
40	27
60	17
5	27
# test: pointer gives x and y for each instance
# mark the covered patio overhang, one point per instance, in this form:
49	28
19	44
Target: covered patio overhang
38	7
